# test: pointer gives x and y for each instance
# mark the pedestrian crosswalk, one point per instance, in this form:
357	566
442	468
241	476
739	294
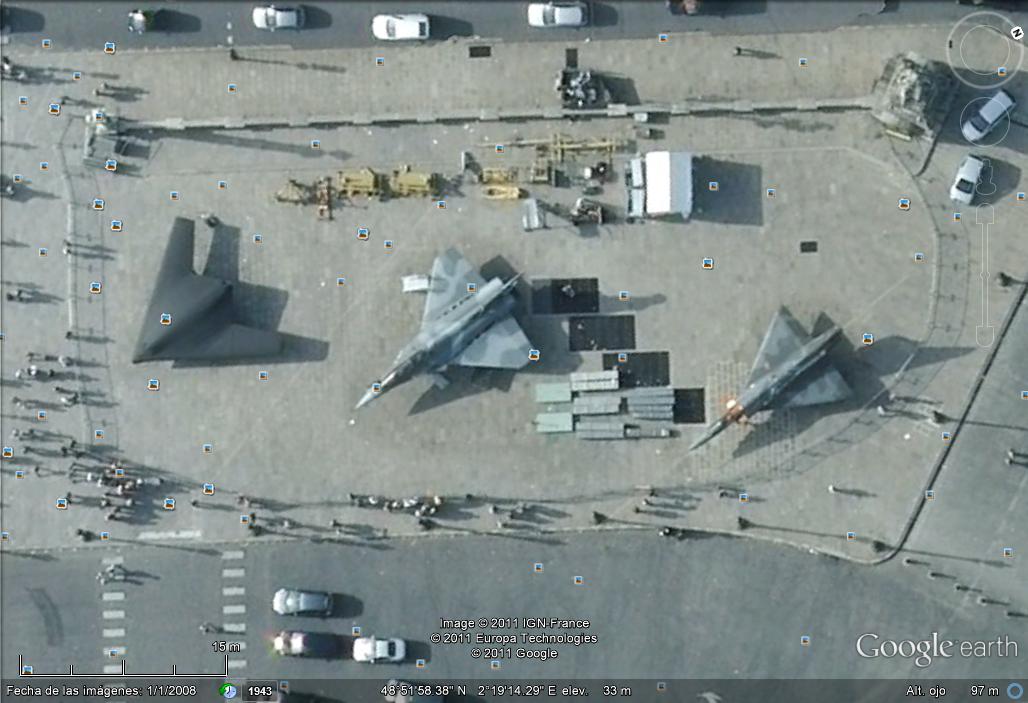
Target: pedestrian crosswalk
232	608
114	633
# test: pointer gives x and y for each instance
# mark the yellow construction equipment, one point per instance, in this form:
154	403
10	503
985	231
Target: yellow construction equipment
498	175
295	192
559	146
405	182
503	192
363	182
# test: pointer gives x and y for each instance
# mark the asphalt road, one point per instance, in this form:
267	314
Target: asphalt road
715	608
77	25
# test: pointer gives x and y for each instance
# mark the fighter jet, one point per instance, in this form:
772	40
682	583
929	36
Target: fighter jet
786	373
190	316
467	322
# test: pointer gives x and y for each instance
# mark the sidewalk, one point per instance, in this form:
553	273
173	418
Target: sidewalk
441	82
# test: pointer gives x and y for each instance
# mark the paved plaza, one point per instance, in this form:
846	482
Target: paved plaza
837	500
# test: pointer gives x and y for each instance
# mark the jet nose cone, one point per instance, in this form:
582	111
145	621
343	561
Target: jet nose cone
368	396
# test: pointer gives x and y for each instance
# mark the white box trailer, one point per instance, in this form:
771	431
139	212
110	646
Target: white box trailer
659	184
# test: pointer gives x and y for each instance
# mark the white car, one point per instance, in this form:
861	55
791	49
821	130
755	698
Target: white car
558	14
987	116
271	18
293	601
373	649
306	644
966	183
400	27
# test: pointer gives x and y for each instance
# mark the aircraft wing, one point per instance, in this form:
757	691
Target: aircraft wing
234	341
502	346
822	384
782	338
451	274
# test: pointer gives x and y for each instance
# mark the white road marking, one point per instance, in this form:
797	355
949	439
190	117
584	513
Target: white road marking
106	561
115	632
112	669
236	663
117	651
114	615
174	534
233	591
114	595
233	573
237	627
233	555
234	609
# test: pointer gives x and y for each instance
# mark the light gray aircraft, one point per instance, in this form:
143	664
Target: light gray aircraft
786	373
467	322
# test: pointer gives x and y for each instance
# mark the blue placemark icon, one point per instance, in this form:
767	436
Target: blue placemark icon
388	243
98	433
355	630
494	664
315	144
98	203
169	503
232	87
1021	197
904	203
803	62
868	338
115	225
111	165
805	640
419	663
41	415
380	60
624	295
340	281
207	448
533	355
1008	552
744	497
579	580
154	384
363	233
771	192
44	165
174	195
262	375
105	536
662	38
165	318
713	186
851	536
208	489
62	503
538	567
55	108
929	494
43	251
23	100
622	357
76	75
26	670
918	256
110	47
47	43
257	239
95	287
19	474
441	204
499	148
8	452
708	263
956	217
222	185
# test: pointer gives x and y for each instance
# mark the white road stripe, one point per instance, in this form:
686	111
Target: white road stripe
115	632
234	609
107	561
242	646
233	591
114	615
175	534
114	595
236	663
238	627
233	573
233	555
112	669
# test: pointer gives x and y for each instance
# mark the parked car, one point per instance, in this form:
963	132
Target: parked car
966	183
141	21
400	27
374	649
271	17
306	644
558	14
987	116
293	601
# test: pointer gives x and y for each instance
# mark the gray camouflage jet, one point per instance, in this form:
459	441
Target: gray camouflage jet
467	322
786	373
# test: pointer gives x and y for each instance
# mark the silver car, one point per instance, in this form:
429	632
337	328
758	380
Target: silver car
293	601
270	17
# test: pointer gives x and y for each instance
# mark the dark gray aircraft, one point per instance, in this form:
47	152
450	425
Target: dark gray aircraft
190	316
467	322
786	373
